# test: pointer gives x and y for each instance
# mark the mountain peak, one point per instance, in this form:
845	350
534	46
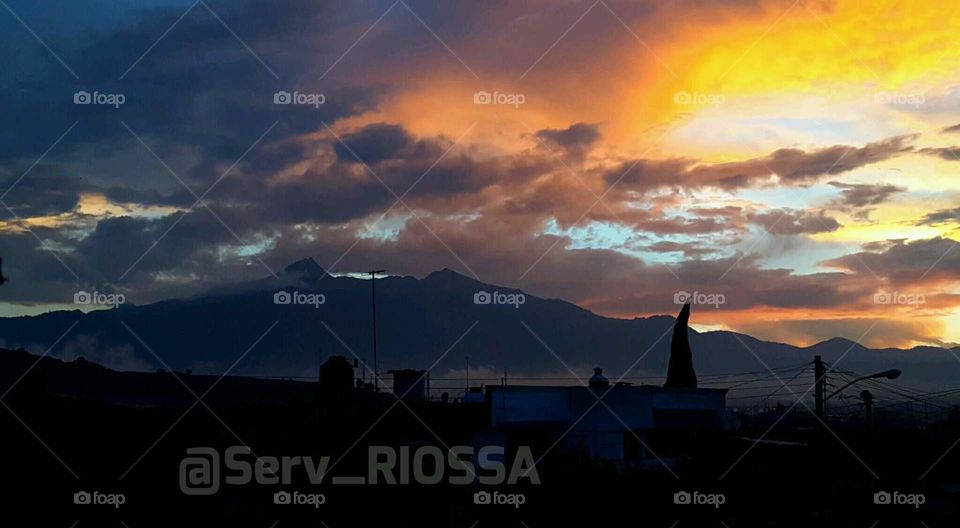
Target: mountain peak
445	272
447	276
306	268
836	343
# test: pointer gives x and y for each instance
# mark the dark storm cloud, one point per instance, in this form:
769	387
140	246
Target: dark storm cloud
878	246
191	248
610	282
680	225
903	262
44	191
797	166
295	196
337	191
198	86
792	166
945	153
861	195
689	249
426	172
183	241
34	274
575	140
127	195
793	222
199	99
941	217
373	143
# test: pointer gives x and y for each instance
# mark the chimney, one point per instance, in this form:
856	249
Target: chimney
680	373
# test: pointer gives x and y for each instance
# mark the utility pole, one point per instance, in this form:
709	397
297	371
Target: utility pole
320	362
867	398
819	391
503	390
373	292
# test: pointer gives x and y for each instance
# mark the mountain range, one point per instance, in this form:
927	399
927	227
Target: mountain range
287	326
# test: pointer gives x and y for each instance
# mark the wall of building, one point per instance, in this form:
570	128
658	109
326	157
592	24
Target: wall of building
598	429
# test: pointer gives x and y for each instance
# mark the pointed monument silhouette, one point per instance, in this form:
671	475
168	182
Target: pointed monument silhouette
680	373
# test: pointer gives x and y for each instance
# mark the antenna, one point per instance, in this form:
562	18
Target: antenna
373	293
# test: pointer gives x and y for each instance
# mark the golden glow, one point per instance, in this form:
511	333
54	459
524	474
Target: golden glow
91	207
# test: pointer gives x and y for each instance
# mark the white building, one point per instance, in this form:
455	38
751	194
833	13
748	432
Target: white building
615	430
621	423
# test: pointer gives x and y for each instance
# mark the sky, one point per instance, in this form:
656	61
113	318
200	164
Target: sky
794	164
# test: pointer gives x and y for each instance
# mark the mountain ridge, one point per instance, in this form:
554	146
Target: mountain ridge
419	320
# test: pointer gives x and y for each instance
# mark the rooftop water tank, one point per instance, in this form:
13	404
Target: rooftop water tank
410	384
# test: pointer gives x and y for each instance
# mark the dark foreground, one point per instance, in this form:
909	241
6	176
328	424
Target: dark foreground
110	435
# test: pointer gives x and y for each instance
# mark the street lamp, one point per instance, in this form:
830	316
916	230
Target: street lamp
891	374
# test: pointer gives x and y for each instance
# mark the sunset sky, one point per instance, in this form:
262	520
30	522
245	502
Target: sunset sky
801	158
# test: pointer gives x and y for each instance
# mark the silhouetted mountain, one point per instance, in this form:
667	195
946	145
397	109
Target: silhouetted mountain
307	269
44	376
419	321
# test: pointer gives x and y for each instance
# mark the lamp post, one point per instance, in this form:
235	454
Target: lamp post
820	374
891	374
373	303
820	393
